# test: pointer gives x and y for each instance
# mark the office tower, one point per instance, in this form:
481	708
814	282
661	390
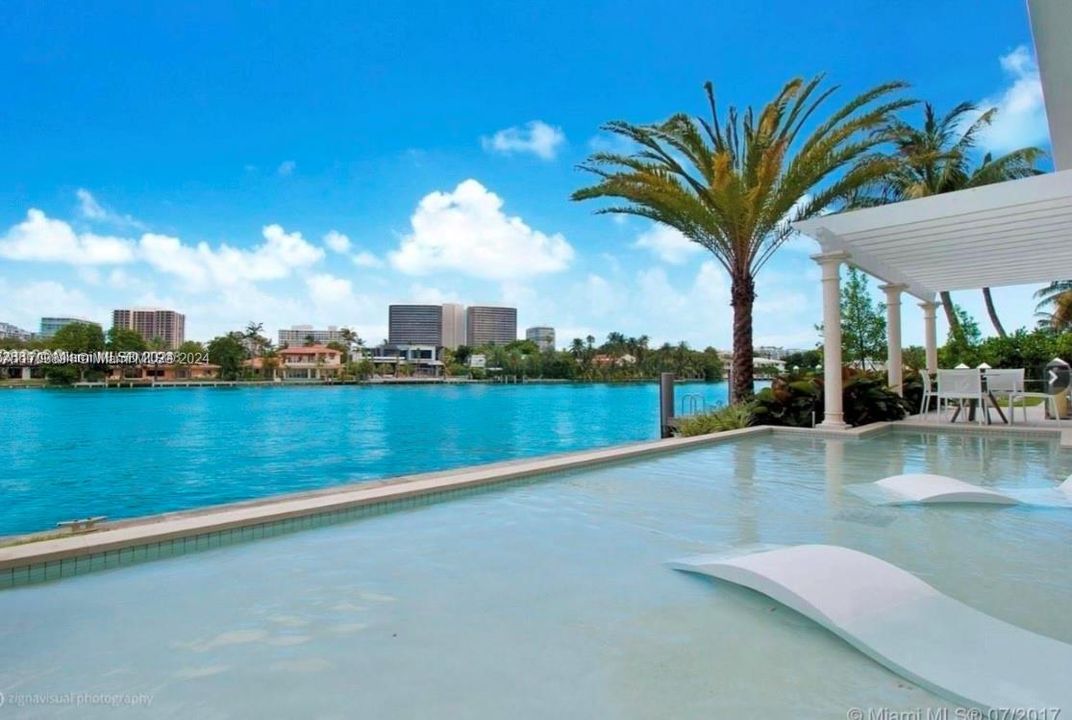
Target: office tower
490	324
49	325
415	325
543	336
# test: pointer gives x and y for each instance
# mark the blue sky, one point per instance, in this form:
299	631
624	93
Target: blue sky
312	162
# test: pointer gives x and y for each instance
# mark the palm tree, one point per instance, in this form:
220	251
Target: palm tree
734	185
254	340
936	159
1058	296
1061	319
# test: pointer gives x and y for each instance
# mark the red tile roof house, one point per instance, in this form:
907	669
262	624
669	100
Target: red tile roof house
313	362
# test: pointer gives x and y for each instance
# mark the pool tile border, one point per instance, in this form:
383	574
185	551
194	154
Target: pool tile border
170	535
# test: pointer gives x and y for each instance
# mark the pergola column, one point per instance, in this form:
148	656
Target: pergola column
831	264
894	363
930	334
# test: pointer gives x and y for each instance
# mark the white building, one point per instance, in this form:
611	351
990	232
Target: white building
453	325
301	334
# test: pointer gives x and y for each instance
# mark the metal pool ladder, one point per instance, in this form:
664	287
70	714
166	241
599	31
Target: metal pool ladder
693	403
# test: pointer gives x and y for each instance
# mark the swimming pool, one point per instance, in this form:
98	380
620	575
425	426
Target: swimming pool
551	598
126	453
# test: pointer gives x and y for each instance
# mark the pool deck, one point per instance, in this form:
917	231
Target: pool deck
22	553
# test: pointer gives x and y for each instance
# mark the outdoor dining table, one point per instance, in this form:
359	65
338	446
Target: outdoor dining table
972	405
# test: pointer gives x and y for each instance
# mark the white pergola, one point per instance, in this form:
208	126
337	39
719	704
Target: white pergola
1009	233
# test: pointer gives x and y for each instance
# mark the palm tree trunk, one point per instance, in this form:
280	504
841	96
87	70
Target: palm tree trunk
950	315
992	312
743	295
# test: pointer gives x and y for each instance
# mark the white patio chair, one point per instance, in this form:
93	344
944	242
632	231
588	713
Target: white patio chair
1008	384
1049	401
928	392
962	386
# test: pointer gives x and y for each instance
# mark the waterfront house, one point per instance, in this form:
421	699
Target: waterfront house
314	362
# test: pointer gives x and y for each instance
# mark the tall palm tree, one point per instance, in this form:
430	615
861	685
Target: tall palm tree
734	184
1055	305
936	158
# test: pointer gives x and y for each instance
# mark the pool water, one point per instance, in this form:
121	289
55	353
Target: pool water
126	453
551	599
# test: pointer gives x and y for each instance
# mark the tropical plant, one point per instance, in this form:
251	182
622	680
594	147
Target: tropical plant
799	403
867	399
734	184
789	403
937	158
729	417
121	339
228	351
1055	305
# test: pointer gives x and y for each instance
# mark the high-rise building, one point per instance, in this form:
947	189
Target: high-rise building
49	325
299	335
152	323
453	325
14	332
542	335
490	324
415	325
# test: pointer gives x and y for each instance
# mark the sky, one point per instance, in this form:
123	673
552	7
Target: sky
310	163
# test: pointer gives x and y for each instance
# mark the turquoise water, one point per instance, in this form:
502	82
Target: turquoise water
125	453
550	599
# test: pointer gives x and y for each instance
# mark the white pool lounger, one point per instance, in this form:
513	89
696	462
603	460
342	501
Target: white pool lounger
925	489
905	624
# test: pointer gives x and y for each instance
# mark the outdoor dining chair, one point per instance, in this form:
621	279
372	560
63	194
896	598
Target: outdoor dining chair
961	386
1007	383
928	392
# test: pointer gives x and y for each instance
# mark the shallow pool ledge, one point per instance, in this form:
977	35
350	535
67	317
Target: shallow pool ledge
35	559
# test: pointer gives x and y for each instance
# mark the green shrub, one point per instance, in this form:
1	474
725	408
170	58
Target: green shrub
789	403
865	399
730	417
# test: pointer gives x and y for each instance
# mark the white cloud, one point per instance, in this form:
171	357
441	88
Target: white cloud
340	243
26	303
366	259
535	137
1021	117
93	211
426	295
277	257
327	290
336	241
43	239
466	231
668	244
286	168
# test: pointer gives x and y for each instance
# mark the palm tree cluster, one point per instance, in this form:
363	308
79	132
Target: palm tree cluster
735	182
619	358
